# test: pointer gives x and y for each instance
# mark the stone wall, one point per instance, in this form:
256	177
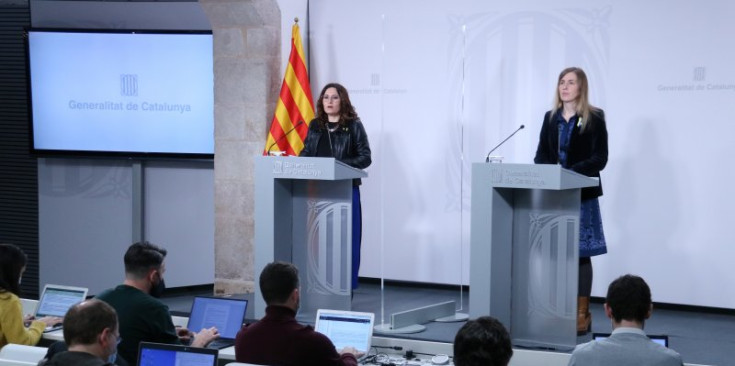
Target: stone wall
247	57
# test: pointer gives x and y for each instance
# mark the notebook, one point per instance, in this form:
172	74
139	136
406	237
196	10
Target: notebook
346	328
56	300
660	339
156	354
226	314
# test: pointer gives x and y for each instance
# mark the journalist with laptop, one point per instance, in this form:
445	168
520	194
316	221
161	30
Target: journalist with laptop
12	327
91	331
278	339
143	318
628	305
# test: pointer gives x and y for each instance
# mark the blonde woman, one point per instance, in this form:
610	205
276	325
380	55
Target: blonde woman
574	135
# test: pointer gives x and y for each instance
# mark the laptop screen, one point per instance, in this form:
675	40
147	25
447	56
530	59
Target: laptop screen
226	314
56	300
346	328
155	354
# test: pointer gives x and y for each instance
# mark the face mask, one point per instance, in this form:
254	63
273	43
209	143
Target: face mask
157	289
116	342
112	358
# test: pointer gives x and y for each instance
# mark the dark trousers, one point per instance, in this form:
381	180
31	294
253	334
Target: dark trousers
356	234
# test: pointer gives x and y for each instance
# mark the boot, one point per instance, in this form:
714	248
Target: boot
584	318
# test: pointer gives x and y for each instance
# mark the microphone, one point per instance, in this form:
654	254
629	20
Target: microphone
558	144
329	136
487	158
282	136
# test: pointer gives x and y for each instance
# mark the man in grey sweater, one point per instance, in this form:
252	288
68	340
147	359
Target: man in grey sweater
628	304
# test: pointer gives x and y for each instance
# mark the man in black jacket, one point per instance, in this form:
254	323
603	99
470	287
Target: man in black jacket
144	318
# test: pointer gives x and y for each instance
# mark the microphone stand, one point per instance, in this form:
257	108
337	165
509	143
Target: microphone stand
487	158
267	152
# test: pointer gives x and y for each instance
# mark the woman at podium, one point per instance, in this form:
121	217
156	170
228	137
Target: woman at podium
574	135
337	132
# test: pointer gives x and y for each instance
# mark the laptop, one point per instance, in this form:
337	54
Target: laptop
346	328
157	354
226	314
56	300
660	339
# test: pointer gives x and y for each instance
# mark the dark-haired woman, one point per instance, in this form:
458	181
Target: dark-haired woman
12	330
574	135
338	132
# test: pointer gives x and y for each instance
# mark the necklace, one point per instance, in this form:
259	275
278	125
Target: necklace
336	126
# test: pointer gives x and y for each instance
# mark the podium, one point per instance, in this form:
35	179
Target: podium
524	250
303	215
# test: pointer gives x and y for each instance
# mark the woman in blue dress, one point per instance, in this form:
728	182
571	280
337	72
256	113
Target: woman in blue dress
574	135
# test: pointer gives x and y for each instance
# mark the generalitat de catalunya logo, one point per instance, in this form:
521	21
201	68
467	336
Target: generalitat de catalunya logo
128	85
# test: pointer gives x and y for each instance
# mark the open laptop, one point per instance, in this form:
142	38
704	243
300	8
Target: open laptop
660	339
346	328
156	354
226	314
56	300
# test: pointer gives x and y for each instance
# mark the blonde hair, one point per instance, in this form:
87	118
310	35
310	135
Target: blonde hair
584	108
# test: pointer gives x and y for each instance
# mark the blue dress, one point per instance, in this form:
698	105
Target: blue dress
591	235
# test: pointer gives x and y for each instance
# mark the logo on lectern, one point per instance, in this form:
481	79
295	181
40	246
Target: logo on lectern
552	247
497	175
329	242
277	167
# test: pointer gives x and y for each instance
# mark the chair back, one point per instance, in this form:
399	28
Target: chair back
19	355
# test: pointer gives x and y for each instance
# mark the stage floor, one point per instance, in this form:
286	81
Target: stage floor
701	337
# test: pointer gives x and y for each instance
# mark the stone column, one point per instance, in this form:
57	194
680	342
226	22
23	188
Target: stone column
247	57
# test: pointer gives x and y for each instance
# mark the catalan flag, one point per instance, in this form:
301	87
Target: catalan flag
295	103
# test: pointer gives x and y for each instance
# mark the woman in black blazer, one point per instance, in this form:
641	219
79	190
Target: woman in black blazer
574	135
337	132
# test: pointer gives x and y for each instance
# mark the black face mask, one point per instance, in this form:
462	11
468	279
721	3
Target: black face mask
157	289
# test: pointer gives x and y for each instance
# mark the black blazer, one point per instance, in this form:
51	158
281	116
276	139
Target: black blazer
587	150
350	143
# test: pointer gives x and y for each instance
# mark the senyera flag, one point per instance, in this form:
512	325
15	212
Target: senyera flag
295	108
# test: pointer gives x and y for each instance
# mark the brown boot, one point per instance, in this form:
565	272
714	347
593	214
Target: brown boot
584	318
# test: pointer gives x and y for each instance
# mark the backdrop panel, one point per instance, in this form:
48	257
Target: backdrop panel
438	84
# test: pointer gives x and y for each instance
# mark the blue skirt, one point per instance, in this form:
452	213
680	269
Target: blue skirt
591	235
